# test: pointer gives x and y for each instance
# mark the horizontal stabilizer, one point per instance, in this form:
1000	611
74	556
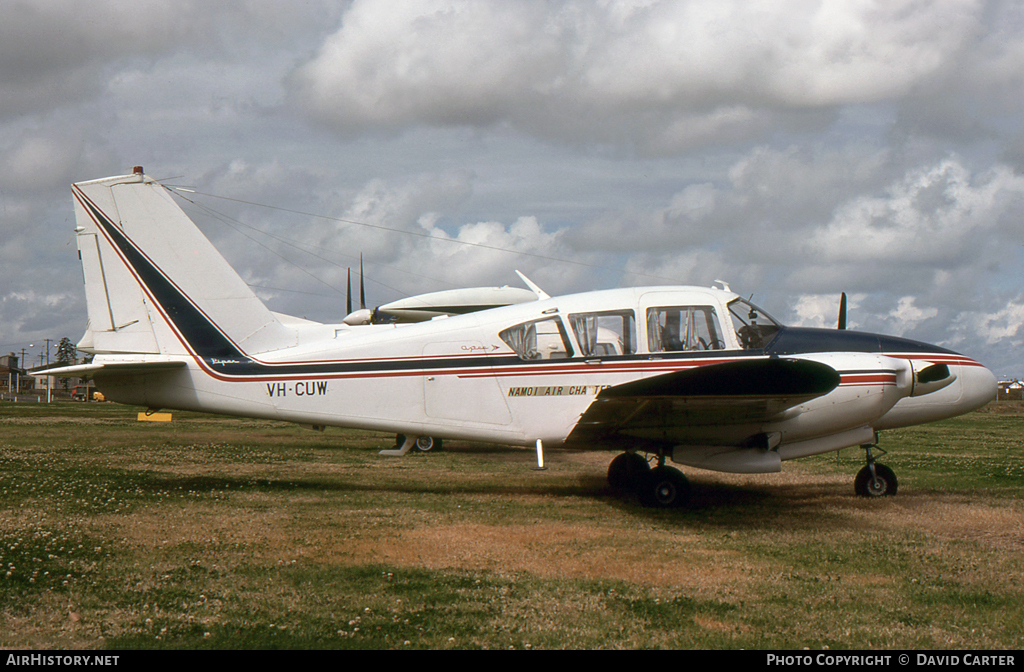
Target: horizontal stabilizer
86	370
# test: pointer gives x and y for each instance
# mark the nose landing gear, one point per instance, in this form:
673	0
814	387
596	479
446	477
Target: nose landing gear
875	480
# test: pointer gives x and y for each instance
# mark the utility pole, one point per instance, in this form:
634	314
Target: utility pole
48	379
21	366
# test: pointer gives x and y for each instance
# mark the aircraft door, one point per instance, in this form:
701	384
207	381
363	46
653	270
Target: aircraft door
463	392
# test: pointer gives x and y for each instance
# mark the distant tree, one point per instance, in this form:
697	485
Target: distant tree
67	353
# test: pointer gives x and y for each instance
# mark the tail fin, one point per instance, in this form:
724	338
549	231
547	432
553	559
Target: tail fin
155	284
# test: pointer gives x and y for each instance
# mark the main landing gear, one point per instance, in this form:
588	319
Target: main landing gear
421	444
424	444
875	480
661	487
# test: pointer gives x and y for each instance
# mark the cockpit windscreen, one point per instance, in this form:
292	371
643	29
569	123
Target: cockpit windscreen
754	327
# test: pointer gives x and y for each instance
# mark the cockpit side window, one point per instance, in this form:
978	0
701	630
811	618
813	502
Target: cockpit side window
683	328
754	327
537	340
605	334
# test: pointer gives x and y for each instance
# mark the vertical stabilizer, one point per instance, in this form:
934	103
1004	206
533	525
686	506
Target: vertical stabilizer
154	283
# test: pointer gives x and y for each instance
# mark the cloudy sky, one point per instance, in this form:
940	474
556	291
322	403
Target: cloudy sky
795	149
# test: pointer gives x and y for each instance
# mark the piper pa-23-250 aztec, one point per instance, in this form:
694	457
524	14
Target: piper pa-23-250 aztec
696	375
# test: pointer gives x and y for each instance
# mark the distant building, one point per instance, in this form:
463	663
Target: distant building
12	377
38	382
1010	390
42	383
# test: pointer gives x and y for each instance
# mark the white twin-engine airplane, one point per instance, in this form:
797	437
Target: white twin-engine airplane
696	375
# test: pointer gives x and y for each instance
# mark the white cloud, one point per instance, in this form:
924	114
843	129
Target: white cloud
53	158
660	75
683	267
52	52
405	232
906	315
32	314
822	310
935	216
1003	325
57	52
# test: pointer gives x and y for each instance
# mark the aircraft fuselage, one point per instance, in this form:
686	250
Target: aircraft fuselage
457	378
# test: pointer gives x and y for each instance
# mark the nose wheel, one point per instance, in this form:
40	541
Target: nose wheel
875	480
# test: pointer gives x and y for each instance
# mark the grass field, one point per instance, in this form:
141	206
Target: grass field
221	533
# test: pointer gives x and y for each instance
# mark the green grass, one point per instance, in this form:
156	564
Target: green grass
227	533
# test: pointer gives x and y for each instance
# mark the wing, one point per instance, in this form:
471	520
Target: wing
718	400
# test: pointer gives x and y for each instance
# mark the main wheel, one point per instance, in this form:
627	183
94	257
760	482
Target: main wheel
666	488
883	484
628	472
428	444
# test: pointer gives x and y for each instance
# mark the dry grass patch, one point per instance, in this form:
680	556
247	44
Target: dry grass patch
951	517
561	551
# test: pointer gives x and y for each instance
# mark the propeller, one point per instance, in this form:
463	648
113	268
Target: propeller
362	294
361	316
842	311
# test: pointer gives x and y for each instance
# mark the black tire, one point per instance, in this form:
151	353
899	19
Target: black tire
628	472
427	444
883	485
666	488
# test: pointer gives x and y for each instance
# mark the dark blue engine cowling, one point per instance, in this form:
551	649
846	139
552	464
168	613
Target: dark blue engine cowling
799	340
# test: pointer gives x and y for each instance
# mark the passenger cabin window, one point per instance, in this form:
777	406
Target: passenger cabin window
754	327
605	334
540	339
683	328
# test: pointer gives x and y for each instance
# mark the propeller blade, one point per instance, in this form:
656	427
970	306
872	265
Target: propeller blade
842	311
362	295
348	294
